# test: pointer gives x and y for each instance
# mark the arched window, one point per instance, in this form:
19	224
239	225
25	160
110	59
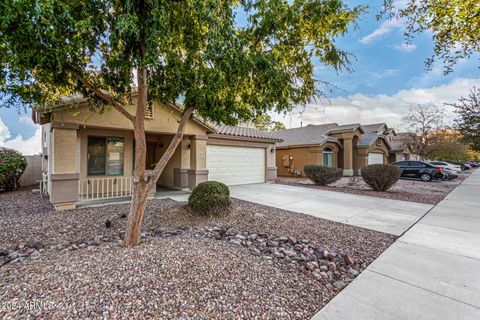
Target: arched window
328	157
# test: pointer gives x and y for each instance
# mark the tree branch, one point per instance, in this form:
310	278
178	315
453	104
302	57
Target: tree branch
99	93
157	171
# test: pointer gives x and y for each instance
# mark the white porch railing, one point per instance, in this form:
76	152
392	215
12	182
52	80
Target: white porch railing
105	188
43	185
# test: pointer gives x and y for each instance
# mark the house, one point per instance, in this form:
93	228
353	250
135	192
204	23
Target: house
398	141
350	147
89	157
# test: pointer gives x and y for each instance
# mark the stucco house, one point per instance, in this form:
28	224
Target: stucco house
88	157
399	147
350	147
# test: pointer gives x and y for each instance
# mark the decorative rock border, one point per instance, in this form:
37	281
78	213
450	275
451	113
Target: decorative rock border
336	268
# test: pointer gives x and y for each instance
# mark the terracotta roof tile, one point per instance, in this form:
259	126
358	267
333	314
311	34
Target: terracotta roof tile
245	132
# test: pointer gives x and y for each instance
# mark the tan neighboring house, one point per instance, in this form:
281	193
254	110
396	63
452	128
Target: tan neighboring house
88	157
399	145
349	147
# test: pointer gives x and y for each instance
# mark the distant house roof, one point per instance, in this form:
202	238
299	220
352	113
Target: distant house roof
368	139
314	134
401	141
246	132
309	135
375	127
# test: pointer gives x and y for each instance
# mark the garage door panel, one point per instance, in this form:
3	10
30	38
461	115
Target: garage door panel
375	158
236	165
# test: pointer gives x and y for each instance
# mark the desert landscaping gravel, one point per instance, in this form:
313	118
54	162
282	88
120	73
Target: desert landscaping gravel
404	189
254	262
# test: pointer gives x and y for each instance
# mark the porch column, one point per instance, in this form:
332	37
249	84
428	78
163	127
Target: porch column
348	156
180	175
64	175
198	161
362	159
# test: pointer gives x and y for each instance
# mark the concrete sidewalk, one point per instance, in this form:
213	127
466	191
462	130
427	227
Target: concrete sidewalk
431	272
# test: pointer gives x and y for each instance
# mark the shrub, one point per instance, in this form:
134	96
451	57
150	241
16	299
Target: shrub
210	197
12	165
381	177
322	175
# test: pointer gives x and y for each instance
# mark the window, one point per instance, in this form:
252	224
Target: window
328	157
417	164
105	156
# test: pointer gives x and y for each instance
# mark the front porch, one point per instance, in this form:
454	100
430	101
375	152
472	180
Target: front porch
101	199
101	169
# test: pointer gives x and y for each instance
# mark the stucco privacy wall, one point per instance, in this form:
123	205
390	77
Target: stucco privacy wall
270	151
303	156
33	172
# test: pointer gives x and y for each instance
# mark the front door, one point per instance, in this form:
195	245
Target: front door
150	162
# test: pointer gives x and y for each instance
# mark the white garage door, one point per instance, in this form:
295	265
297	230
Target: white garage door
375	158
236	165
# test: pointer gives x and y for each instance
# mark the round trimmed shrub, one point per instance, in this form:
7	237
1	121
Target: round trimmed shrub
322	175
12	166
381	177
210	197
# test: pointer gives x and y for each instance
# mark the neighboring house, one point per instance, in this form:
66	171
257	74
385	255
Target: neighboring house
398	141
89	157
350	147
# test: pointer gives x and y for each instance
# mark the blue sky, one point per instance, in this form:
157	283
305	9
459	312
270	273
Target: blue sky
387	77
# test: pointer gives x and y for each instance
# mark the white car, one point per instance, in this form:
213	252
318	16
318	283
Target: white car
447	165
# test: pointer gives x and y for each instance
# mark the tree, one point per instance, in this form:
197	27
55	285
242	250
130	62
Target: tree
422	120
12	166
226	72
468	121
265	122
453	24
445	145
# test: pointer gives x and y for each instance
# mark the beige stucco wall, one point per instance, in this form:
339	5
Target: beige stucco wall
64	150
303	156
165	119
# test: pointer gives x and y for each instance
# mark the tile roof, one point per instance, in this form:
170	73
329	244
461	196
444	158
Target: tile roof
311	134
246	132
368	139
374	127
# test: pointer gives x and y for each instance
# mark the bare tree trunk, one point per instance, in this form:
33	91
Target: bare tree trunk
140	180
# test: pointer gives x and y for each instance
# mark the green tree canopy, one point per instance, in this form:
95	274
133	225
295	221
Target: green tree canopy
453	24
191	48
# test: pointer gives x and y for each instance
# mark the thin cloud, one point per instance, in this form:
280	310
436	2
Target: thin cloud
385	28
406	47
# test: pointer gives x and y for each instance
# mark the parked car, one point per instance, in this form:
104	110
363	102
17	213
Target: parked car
472	164
420	170
447	165
449	174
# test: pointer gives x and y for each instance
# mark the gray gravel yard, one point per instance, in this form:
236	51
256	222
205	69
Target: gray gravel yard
256	262
405	189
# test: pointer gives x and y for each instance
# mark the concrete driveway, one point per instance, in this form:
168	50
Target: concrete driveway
385	215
